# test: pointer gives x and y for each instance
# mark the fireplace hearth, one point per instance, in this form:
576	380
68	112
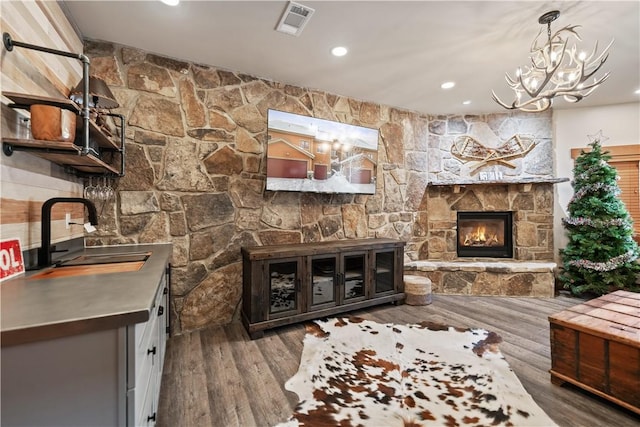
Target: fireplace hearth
485	234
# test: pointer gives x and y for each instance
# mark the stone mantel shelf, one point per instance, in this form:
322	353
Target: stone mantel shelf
497	182
526	181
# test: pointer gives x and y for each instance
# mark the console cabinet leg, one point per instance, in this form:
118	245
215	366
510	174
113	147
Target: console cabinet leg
557	381
256	335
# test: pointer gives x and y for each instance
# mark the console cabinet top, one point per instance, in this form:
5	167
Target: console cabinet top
306	249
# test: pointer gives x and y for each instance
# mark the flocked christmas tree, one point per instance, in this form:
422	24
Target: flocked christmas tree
601	254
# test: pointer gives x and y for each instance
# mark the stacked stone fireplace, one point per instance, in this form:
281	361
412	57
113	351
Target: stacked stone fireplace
516	260
530	206
529	269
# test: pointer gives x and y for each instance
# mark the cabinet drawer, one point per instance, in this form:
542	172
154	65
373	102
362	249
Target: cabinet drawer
144	344
163	325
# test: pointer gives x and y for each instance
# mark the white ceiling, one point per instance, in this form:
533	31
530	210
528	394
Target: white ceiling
399	51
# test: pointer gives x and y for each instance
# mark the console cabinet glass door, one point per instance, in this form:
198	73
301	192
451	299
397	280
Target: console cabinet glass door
284	287
384	271
324	274
354	280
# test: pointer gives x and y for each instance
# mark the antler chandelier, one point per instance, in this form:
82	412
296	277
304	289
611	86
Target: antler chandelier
555	70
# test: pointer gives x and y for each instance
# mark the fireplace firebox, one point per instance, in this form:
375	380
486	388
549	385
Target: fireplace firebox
485	234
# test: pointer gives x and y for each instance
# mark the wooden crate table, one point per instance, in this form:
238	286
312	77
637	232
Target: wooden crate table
596	346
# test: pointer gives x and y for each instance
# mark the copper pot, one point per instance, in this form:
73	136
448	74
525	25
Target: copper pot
50	123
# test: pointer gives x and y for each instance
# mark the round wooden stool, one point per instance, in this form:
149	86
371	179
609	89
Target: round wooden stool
417	290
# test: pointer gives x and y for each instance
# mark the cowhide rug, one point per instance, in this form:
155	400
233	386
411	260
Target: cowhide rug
355	372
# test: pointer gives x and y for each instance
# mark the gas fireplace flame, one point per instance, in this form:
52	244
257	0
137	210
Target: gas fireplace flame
479	237
479	234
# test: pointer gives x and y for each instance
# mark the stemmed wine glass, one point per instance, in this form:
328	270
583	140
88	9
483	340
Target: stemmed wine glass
106	191
98	191
90	190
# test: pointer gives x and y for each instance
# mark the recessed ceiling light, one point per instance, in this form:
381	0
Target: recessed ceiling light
467	102
447	85
170	2
339	51
637	92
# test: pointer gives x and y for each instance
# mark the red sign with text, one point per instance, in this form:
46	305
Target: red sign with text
11	262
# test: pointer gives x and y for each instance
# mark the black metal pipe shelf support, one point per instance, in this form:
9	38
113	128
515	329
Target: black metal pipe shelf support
122	139
86	149
9	44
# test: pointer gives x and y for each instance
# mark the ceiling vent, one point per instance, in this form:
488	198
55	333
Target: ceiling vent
294	18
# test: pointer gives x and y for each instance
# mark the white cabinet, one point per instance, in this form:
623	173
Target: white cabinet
104	378
145	363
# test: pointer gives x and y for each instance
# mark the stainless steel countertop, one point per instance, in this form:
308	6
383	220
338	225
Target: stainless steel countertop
41	309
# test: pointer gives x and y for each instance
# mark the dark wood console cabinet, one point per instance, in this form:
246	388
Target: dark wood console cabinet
284	284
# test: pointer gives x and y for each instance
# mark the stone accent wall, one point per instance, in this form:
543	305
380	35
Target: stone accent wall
491	131
196	169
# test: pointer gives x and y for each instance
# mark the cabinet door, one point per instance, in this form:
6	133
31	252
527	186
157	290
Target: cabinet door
323	292
354	276
284	279
146	416
383	271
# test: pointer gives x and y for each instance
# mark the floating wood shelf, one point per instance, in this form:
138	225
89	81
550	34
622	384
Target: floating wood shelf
25	101
63	153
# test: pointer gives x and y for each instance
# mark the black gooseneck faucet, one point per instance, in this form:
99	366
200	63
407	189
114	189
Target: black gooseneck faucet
44	253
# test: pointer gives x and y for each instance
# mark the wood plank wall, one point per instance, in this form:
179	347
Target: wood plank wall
27	181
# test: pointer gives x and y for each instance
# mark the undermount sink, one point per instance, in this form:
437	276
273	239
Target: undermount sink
105	259
95	264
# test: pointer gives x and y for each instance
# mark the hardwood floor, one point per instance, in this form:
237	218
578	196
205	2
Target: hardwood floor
219	377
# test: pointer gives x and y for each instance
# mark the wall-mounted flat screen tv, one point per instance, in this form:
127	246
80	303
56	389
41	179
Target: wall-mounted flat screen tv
321	156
